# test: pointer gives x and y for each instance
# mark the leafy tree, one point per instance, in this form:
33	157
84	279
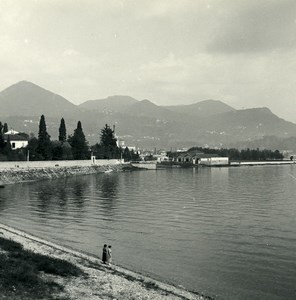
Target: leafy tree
62	131
67	151
135	155
98	150
126	154
61	151
129	155
78	143
44	144
32	148
57	151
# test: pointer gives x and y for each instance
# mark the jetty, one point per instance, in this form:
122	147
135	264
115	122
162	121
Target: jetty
261	163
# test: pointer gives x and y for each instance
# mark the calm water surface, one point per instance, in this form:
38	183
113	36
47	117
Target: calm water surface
229	233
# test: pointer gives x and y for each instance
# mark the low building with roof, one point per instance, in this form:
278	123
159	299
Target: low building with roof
17	141
199	158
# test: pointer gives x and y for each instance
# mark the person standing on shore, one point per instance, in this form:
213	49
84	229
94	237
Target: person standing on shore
105	254
109	255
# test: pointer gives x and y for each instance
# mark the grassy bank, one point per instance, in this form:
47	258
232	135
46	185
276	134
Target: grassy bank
23	274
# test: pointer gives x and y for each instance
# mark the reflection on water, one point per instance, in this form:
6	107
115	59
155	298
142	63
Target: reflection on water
228	232
108	185
3	200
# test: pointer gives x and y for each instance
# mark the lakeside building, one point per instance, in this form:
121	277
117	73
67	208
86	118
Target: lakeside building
214	161
16	139
199	158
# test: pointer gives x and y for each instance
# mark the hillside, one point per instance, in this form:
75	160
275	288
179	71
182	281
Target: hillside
251	122
202	109
142	123
245	125
146	108
28	99
109	104
269	142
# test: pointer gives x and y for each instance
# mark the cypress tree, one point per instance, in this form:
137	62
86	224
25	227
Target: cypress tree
79	144
44	144
5	128
7	148
62	131
126	154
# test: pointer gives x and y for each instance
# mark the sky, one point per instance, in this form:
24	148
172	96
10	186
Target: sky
171	52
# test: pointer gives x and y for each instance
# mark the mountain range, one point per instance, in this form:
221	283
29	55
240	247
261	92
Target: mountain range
144	124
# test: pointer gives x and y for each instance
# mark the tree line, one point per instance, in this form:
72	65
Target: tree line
244	154
74	146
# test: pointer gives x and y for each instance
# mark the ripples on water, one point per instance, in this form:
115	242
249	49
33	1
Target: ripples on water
227	232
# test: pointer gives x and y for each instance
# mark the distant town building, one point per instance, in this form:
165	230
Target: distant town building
162	157
184	158
120	143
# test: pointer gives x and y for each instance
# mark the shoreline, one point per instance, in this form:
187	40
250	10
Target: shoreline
121	280
21	175
117	282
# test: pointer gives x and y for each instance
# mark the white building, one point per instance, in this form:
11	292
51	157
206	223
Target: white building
214	161
16	141
162	158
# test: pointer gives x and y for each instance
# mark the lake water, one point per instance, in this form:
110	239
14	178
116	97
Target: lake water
229	233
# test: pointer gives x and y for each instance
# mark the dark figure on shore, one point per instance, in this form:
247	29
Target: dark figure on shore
109	255
105	253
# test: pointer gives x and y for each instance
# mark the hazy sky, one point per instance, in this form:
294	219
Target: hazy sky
168	51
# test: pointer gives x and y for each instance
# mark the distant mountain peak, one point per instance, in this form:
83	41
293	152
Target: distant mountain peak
211	100
146	102
32	100
25	83
119	97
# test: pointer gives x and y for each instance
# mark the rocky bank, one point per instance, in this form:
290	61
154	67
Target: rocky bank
16	175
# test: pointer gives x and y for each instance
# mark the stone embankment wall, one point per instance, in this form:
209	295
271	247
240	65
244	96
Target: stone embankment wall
14	172
57	163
